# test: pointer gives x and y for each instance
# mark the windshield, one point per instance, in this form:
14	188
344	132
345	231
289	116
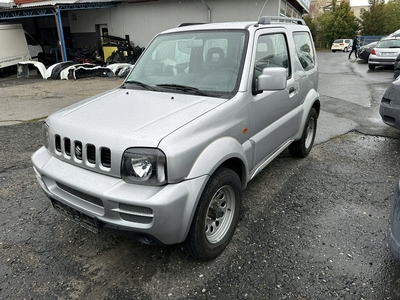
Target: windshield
195	62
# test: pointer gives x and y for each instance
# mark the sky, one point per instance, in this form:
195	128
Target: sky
358	2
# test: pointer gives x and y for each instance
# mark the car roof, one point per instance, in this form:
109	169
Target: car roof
395	34
266	21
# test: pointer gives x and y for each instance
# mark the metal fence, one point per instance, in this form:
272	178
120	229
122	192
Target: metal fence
322	44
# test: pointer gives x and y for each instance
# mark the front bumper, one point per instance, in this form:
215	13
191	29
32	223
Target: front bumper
393	236
390	106
150	213
363	54
390	114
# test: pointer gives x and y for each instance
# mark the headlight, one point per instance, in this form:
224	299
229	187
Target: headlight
144	166
45	135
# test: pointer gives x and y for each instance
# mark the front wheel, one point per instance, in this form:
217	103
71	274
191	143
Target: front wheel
302	147
216	216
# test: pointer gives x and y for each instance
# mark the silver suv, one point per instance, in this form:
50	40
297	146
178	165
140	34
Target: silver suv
167	155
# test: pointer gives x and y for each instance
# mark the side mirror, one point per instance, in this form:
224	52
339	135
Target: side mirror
272	79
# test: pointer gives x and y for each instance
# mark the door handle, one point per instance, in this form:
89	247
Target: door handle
292	90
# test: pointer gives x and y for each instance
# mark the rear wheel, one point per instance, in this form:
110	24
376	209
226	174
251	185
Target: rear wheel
333	50
216	216
302	147
371	67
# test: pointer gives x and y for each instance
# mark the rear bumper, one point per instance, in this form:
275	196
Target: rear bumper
161	214
381	61
338	48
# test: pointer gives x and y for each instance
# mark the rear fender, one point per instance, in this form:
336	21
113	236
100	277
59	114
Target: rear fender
312	100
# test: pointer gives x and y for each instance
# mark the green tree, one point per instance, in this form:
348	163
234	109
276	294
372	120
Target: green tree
392	16
338	23
312	25
373	21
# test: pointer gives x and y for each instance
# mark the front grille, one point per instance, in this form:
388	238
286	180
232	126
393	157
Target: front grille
136	219
67	143
137	214
82	152
91	154
105	157
81	195
78	150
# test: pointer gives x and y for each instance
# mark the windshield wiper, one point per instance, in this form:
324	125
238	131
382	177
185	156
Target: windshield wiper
141	84
184	88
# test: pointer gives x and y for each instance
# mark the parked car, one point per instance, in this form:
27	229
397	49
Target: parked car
166	156
397	67
390	105
393	234
395	34
364	51
341	45
384	53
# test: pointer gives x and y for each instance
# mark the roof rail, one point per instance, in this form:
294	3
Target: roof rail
189	24
266	20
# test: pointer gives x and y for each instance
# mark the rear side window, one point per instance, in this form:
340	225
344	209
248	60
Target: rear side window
389	44
304	49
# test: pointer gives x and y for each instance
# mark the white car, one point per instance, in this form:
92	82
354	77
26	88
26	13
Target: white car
341	45
385	53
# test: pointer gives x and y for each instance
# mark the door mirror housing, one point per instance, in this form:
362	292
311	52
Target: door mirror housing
272	79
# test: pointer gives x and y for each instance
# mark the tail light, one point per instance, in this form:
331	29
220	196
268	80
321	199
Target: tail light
373	51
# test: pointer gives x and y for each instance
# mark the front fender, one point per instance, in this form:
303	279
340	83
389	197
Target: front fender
218	152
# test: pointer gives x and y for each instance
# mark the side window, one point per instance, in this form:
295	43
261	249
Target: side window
304	49
272	51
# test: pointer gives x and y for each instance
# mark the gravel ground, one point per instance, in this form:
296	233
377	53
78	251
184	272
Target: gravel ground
310	229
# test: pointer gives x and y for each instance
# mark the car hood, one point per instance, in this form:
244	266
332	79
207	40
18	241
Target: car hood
123	118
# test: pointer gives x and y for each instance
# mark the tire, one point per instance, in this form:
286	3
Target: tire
345	50
333	51
371	67
302	147
216	216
